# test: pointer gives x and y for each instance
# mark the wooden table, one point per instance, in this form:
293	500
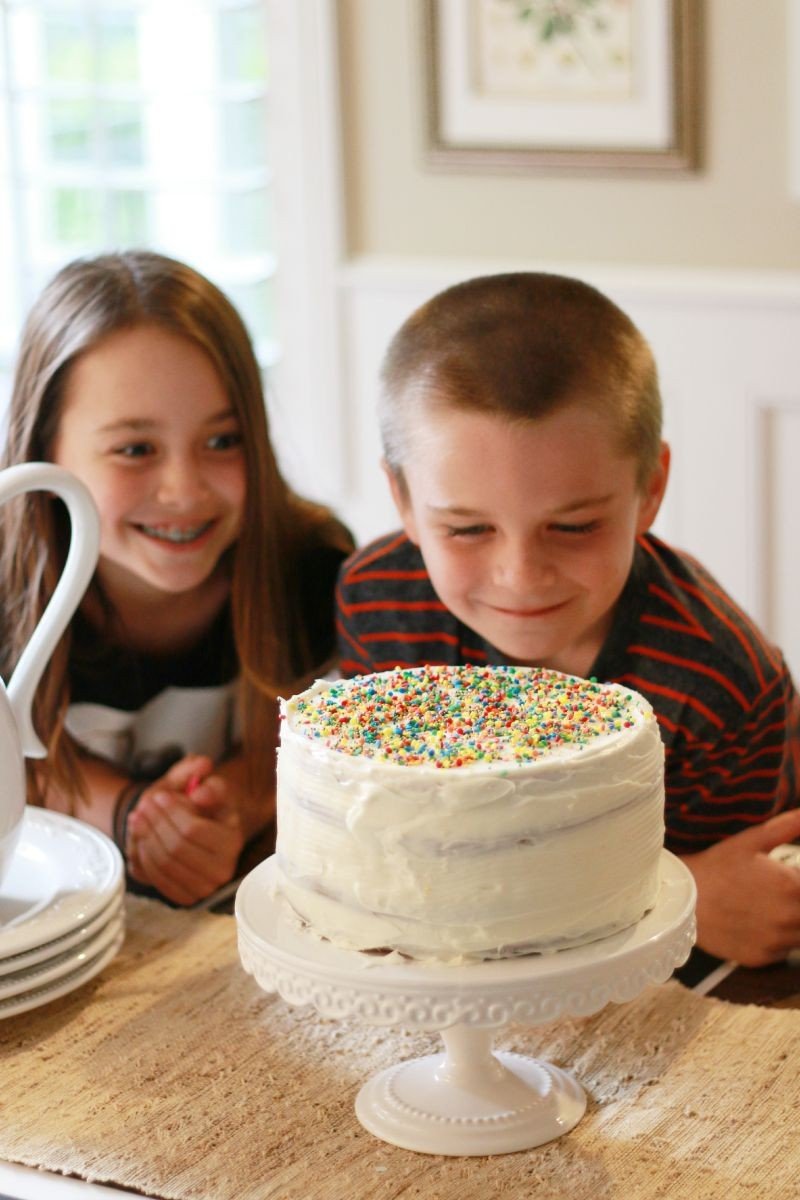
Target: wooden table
232	1094
776	986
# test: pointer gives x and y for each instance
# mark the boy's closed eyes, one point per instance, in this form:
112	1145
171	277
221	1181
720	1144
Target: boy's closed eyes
527	528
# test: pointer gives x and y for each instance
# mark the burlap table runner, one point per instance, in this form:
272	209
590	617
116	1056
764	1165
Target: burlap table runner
173	1074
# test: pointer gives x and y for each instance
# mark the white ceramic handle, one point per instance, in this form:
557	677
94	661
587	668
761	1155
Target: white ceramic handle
78	570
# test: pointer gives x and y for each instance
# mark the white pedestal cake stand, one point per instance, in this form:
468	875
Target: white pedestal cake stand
468	1100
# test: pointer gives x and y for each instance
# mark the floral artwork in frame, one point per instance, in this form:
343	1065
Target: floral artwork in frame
587	84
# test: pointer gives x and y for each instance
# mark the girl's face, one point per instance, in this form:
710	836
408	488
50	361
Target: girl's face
146	424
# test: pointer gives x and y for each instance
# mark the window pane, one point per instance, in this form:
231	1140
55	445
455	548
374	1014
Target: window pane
72	126
244	126
123	136
68	131
247	222
243	45
76	217
127	218
68	48
79	49
118	52
84	216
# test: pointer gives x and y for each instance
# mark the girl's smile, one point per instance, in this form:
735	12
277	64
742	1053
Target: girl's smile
147	425
176	536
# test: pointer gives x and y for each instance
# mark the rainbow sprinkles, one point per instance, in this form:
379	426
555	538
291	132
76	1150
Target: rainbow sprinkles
451	717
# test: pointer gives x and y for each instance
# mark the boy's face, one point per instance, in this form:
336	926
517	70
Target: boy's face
527	528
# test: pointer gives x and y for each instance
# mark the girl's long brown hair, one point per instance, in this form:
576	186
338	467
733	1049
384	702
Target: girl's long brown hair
85	302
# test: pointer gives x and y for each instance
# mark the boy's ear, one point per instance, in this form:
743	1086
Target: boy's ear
653	491
402	500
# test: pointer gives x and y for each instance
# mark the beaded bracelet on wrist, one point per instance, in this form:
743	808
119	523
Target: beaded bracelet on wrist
129	796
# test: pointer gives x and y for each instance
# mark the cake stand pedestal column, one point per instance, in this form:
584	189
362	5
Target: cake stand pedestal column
469	1100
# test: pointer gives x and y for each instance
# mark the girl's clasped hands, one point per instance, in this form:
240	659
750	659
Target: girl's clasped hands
185	835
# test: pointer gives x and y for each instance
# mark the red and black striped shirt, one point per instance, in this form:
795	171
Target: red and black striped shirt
726	705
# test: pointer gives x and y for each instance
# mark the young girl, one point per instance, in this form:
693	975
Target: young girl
213	591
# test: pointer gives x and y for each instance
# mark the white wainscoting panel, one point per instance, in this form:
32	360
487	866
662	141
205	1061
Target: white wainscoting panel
779	542
728	349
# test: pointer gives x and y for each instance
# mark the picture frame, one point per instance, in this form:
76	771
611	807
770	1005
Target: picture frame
793	82
588	86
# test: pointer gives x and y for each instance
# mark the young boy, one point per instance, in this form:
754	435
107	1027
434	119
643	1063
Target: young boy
521	426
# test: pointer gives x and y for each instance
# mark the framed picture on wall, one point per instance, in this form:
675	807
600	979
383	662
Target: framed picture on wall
587	85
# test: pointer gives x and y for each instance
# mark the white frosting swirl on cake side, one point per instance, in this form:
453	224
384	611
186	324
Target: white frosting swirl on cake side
541	827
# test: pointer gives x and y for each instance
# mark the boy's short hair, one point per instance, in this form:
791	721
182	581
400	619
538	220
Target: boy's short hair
522	345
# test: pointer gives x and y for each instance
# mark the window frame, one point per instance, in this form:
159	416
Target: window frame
305	386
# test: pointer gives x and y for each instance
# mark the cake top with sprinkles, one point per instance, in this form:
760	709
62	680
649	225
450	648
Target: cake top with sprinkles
448	717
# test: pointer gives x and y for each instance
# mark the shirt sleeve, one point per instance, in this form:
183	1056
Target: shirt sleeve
728	779
354	656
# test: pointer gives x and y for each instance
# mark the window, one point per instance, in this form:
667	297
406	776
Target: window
136	123
207	129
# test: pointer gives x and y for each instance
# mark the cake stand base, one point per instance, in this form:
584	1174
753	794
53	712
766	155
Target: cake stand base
470	1101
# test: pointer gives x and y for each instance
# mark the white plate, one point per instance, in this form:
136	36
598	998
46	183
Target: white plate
61	964
29	958
62	875
60	987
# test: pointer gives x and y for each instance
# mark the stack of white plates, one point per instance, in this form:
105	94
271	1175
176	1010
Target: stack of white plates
61	910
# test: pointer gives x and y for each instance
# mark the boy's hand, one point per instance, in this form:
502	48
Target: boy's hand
748	904
185	834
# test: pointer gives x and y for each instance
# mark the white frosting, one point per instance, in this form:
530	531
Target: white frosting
484	860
